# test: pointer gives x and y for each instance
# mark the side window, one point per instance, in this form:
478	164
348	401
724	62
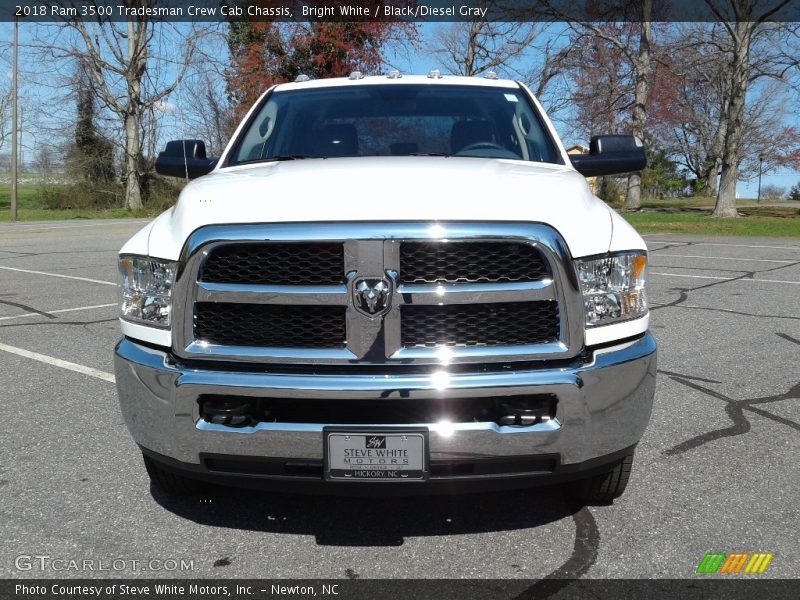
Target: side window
254	144
536	140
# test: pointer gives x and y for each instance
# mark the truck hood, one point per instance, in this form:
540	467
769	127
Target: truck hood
389	189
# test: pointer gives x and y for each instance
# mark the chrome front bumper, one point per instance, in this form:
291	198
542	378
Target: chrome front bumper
604	405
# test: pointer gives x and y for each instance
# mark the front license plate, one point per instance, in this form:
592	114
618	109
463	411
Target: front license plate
374	455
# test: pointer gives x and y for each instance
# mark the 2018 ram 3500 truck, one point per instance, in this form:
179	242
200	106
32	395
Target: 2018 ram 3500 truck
392	283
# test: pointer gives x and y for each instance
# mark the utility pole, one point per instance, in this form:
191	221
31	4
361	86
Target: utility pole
14	94
760	169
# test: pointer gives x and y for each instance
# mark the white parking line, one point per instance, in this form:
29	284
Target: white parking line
14	228
725	278
723	244
60	310
727	310
57	362
60	275
786	262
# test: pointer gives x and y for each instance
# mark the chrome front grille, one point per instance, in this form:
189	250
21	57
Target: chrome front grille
244	301
294	263
470	262
498	324
270	325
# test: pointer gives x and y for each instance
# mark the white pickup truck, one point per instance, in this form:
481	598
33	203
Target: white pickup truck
395	284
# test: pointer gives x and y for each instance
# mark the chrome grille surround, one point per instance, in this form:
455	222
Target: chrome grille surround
373	250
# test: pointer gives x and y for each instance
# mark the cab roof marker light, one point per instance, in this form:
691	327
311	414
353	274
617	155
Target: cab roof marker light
490	75
356	75
301	78
435	74
394	74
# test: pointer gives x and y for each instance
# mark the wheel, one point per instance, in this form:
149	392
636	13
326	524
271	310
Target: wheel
603	488
169	482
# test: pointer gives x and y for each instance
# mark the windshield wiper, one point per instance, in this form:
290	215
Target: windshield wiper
290	157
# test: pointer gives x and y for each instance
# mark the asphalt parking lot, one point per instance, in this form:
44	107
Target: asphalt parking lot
718	468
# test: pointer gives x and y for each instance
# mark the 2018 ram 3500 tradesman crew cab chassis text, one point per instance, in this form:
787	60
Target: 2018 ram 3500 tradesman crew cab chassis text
393	283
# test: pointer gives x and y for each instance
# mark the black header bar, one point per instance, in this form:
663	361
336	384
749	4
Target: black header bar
419	11
695	588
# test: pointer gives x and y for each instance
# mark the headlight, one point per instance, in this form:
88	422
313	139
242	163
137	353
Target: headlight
146	289
613	287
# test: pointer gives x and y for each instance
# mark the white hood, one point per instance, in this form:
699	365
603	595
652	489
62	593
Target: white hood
389	189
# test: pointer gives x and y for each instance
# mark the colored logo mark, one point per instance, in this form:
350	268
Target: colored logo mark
734	562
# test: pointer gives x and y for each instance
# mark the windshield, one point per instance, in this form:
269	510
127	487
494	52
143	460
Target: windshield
396	120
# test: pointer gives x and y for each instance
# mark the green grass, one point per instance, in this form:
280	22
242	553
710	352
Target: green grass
31	206
694	202
684	214
27	195
45	214
704	224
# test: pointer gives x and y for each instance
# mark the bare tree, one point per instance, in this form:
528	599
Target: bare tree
130	80
546	69
531	52
689	99
46	161
5	116
770	140
748	34
601	89
772	192
633	41
478	46
202	99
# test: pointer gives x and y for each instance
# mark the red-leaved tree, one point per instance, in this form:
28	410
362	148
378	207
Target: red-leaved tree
263	54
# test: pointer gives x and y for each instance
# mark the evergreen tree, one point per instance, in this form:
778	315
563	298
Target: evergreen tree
794	193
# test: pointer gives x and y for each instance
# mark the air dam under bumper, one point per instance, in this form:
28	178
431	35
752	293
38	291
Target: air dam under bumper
604	405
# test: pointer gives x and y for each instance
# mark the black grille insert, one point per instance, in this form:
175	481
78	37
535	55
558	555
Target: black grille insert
271	263
270	325
500	324
385	411
470	262
444	469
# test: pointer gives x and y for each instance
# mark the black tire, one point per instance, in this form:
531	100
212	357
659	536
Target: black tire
170	482
603	488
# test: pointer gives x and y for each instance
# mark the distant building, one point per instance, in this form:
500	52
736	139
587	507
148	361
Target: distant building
577	149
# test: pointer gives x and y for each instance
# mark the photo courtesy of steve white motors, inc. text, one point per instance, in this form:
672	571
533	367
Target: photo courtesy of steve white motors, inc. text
193	590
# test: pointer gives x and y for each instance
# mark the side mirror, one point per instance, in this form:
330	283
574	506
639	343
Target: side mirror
610	155
182	158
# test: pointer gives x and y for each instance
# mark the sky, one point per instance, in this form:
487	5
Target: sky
418	62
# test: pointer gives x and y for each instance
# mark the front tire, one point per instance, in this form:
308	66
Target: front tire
170	482
605	487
